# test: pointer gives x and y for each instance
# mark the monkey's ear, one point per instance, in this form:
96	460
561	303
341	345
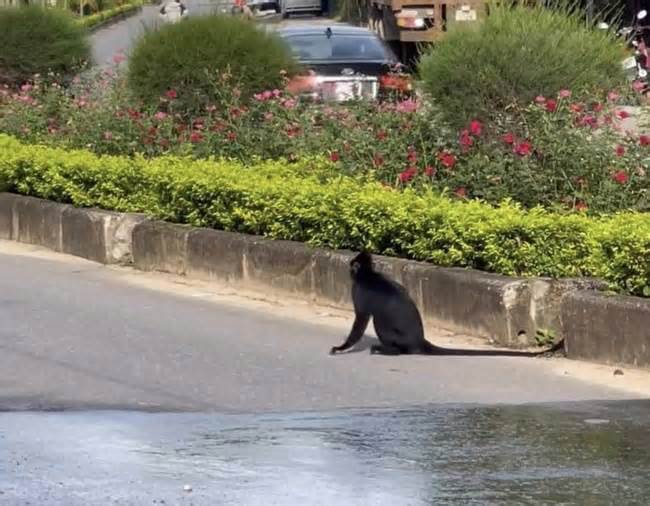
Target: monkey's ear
364	257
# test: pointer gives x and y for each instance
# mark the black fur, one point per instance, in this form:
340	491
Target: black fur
396	318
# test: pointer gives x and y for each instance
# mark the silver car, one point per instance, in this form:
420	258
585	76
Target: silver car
289	7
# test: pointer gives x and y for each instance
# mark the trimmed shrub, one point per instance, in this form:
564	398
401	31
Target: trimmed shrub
305	202
517	53
105	15
191	61
35	40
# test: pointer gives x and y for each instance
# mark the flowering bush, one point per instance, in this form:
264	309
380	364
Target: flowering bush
564	154
305	202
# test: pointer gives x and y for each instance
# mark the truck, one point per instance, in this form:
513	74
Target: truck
405	24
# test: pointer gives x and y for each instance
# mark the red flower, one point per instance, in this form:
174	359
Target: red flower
334	156
644	140
509	139
447	159
577	108
196	137
622	114
581	206
412	155
430	171
171	94
232	136
408	174
523	148
378	160
620	150
461	192
597	107
621	177
382	135
551	105
475	127
466	140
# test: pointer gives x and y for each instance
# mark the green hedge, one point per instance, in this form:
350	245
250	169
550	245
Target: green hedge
100	17
307	202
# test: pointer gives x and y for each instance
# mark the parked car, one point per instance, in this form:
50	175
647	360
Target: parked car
343	62
289	7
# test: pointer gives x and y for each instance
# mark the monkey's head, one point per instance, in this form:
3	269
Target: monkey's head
360	263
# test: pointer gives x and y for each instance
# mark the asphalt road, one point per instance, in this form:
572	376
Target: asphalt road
74	334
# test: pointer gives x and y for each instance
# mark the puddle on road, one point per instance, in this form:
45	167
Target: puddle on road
443	455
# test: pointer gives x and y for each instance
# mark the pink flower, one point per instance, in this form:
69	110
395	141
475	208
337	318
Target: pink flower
26	88
613	96
160	116
108	136
597	107
620	150
638	86
461	192
644	140
621	177
407	106
268	116
564	94
447	159
588	121
523	148
335	156
622	114
475	128
118	58
577	108
430	171
509	139
551	105
290	103
540	99
196	137
171	94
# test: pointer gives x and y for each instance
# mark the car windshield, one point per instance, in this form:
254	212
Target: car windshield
317	47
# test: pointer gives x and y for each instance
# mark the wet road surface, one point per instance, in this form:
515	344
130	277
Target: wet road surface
584	453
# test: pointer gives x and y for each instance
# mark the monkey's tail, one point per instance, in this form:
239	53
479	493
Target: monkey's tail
432	349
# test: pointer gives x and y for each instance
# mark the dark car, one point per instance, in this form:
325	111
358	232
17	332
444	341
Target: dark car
343	62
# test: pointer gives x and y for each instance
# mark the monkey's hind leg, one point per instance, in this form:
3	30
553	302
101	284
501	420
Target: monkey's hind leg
384	349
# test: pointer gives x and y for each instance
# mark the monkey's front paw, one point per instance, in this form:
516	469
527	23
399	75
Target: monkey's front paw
334	350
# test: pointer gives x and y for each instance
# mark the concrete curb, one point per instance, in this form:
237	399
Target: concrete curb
509	311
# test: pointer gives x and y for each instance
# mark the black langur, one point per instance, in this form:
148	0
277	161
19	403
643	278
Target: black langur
396	318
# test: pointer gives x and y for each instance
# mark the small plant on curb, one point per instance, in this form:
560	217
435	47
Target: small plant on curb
544	337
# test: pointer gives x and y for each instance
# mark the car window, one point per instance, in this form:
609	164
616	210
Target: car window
338	47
